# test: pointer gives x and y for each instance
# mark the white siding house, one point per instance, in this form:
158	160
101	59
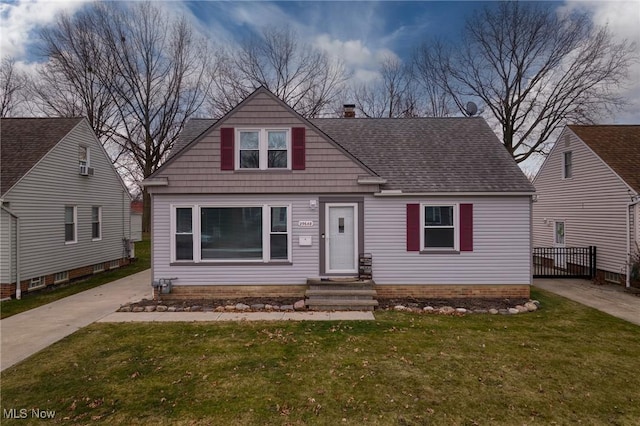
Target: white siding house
65	210
263	200
588	191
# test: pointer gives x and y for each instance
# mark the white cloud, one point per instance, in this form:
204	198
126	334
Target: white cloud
18	20
363	61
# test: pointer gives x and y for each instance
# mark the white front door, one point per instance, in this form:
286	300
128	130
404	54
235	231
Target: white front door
558	243
341	238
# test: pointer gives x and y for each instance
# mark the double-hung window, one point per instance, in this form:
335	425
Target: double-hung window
83	156
70	224
440	227
263	149
567	165
183	233
230	233
96	223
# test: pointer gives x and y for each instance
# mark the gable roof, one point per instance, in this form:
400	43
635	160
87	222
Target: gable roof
414	155
429	154
616	145
24	141
192	129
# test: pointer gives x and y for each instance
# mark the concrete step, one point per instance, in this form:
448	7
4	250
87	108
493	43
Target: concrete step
338	281
321	292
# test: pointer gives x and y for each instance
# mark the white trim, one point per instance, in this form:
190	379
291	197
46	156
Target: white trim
158	181
371	180
64	277
456	225
327	254
399	193
263	147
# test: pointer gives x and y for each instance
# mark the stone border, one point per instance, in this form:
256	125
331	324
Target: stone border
530	306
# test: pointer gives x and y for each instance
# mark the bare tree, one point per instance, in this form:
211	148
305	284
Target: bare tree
391	95
533	70
137	71
12	86
299	74
74	80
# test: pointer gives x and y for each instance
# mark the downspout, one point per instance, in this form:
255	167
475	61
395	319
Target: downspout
15	216
628	262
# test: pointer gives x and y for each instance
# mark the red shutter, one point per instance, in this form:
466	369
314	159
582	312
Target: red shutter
466	227
227	149
413	227
298	148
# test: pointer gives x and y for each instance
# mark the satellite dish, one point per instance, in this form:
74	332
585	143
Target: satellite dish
471	109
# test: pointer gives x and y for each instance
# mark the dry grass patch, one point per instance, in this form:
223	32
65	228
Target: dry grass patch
565	363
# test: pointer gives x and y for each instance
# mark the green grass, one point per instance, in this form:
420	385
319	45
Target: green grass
33	300
564	364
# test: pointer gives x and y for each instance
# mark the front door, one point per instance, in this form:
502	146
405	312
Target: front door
341	238
559	246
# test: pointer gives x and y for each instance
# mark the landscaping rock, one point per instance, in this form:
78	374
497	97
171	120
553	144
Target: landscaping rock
219	309
242	307
138	309
196	308
125	309
258	306
428	309
535	302
513	311
531	307
493	311
161	308
461	310
400	308
172	309
229	308
268	307
447	310
299	305
149	308
521	309
286	308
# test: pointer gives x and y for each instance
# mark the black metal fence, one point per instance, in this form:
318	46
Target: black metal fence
564	262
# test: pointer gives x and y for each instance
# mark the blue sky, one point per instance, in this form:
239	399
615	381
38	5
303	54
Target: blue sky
359	33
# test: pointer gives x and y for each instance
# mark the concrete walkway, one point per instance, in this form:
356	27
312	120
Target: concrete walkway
237	316
26	333
609	298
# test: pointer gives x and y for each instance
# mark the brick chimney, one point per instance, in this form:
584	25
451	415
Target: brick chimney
349	110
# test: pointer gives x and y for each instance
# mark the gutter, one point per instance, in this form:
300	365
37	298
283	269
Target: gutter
399	193
628	262
15	216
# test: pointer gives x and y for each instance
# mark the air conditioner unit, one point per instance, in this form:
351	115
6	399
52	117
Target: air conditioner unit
86	170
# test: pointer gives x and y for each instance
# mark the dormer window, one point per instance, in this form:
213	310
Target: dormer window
263	149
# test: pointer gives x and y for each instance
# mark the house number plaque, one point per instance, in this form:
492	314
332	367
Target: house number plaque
305	223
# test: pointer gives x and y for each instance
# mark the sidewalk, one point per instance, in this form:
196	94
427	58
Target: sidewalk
608	298
237	316
29	332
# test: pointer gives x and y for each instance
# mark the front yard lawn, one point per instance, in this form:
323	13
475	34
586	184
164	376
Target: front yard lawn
564	364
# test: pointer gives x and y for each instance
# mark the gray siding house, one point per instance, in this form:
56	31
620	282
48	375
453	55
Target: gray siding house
588	195
263	200
65	209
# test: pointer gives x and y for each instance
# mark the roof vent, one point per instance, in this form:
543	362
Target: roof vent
349	110
471	109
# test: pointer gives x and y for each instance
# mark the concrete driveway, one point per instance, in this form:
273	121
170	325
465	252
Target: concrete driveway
31	331
609	298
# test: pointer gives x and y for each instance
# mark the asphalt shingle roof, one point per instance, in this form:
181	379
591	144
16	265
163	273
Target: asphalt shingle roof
192	129
24	141
616	145
429	154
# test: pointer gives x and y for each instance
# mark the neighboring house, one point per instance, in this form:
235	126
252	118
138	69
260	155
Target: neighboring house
136	220
65	210
260	201
588	191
